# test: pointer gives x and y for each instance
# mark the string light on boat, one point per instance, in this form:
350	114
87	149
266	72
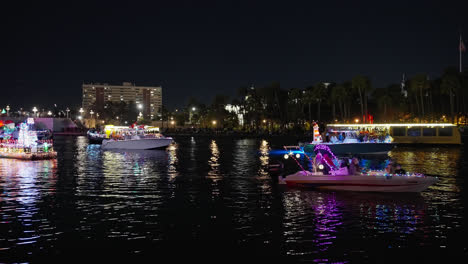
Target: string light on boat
321	166
298	155
286	156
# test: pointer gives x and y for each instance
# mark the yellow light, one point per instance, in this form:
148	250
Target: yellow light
264	121
356	120
214	122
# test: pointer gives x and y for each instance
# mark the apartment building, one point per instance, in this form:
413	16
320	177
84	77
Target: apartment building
147	98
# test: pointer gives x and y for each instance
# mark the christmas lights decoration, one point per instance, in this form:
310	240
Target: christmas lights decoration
26	137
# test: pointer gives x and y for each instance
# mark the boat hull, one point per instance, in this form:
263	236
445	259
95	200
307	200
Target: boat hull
354	148
360	183
146	143
29	155
95	140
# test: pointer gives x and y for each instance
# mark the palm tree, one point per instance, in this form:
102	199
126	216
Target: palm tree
319	93
384	100
361	84
295	105
309	99
418	85
450	85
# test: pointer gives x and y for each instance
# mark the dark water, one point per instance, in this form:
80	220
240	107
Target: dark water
213	199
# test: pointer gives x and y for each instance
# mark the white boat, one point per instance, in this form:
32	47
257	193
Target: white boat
134	138
376	181
137	142
330	173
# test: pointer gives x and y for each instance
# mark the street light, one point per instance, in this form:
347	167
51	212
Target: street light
81	111
214	122
34	110
92	113
49	113
191	114
68	110
7	110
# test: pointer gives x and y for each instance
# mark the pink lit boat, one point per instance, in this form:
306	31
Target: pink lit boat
375	181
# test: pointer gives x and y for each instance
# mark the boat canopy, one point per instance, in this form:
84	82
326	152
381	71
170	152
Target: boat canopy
391	125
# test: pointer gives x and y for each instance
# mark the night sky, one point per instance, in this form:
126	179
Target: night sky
203	48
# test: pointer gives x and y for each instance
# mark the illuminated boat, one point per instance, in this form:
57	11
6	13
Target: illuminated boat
134	138
330	173
345	141
137	142
374	181
94	137
27	146
410	133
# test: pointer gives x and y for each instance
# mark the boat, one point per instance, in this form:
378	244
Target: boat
373	181
410	133
26	146
94	137
142	137
330	174
344	141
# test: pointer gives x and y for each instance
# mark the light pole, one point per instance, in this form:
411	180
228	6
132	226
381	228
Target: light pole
8	110
81	111
34	110
191	114
68	110
92	113
49	113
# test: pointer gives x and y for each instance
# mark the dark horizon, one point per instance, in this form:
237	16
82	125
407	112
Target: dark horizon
199	50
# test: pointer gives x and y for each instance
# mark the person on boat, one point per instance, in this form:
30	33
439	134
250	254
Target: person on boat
341	137
354	168
399	169
390	168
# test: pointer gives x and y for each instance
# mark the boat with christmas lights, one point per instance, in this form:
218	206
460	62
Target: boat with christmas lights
406	133
346	141
26	146
141	137
330	173
94	137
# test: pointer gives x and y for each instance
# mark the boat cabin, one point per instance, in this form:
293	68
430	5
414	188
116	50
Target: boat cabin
411	133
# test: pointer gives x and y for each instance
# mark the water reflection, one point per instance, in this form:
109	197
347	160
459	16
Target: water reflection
214	174
443	162
26	186
316	222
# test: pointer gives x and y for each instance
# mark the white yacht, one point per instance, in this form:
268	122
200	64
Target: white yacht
134	138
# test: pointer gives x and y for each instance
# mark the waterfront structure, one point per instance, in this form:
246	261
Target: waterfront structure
147	99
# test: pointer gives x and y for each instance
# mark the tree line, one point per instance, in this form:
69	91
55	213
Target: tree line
273	107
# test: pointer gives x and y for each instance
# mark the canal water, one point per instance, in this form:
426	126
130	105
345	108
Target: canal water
214	199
